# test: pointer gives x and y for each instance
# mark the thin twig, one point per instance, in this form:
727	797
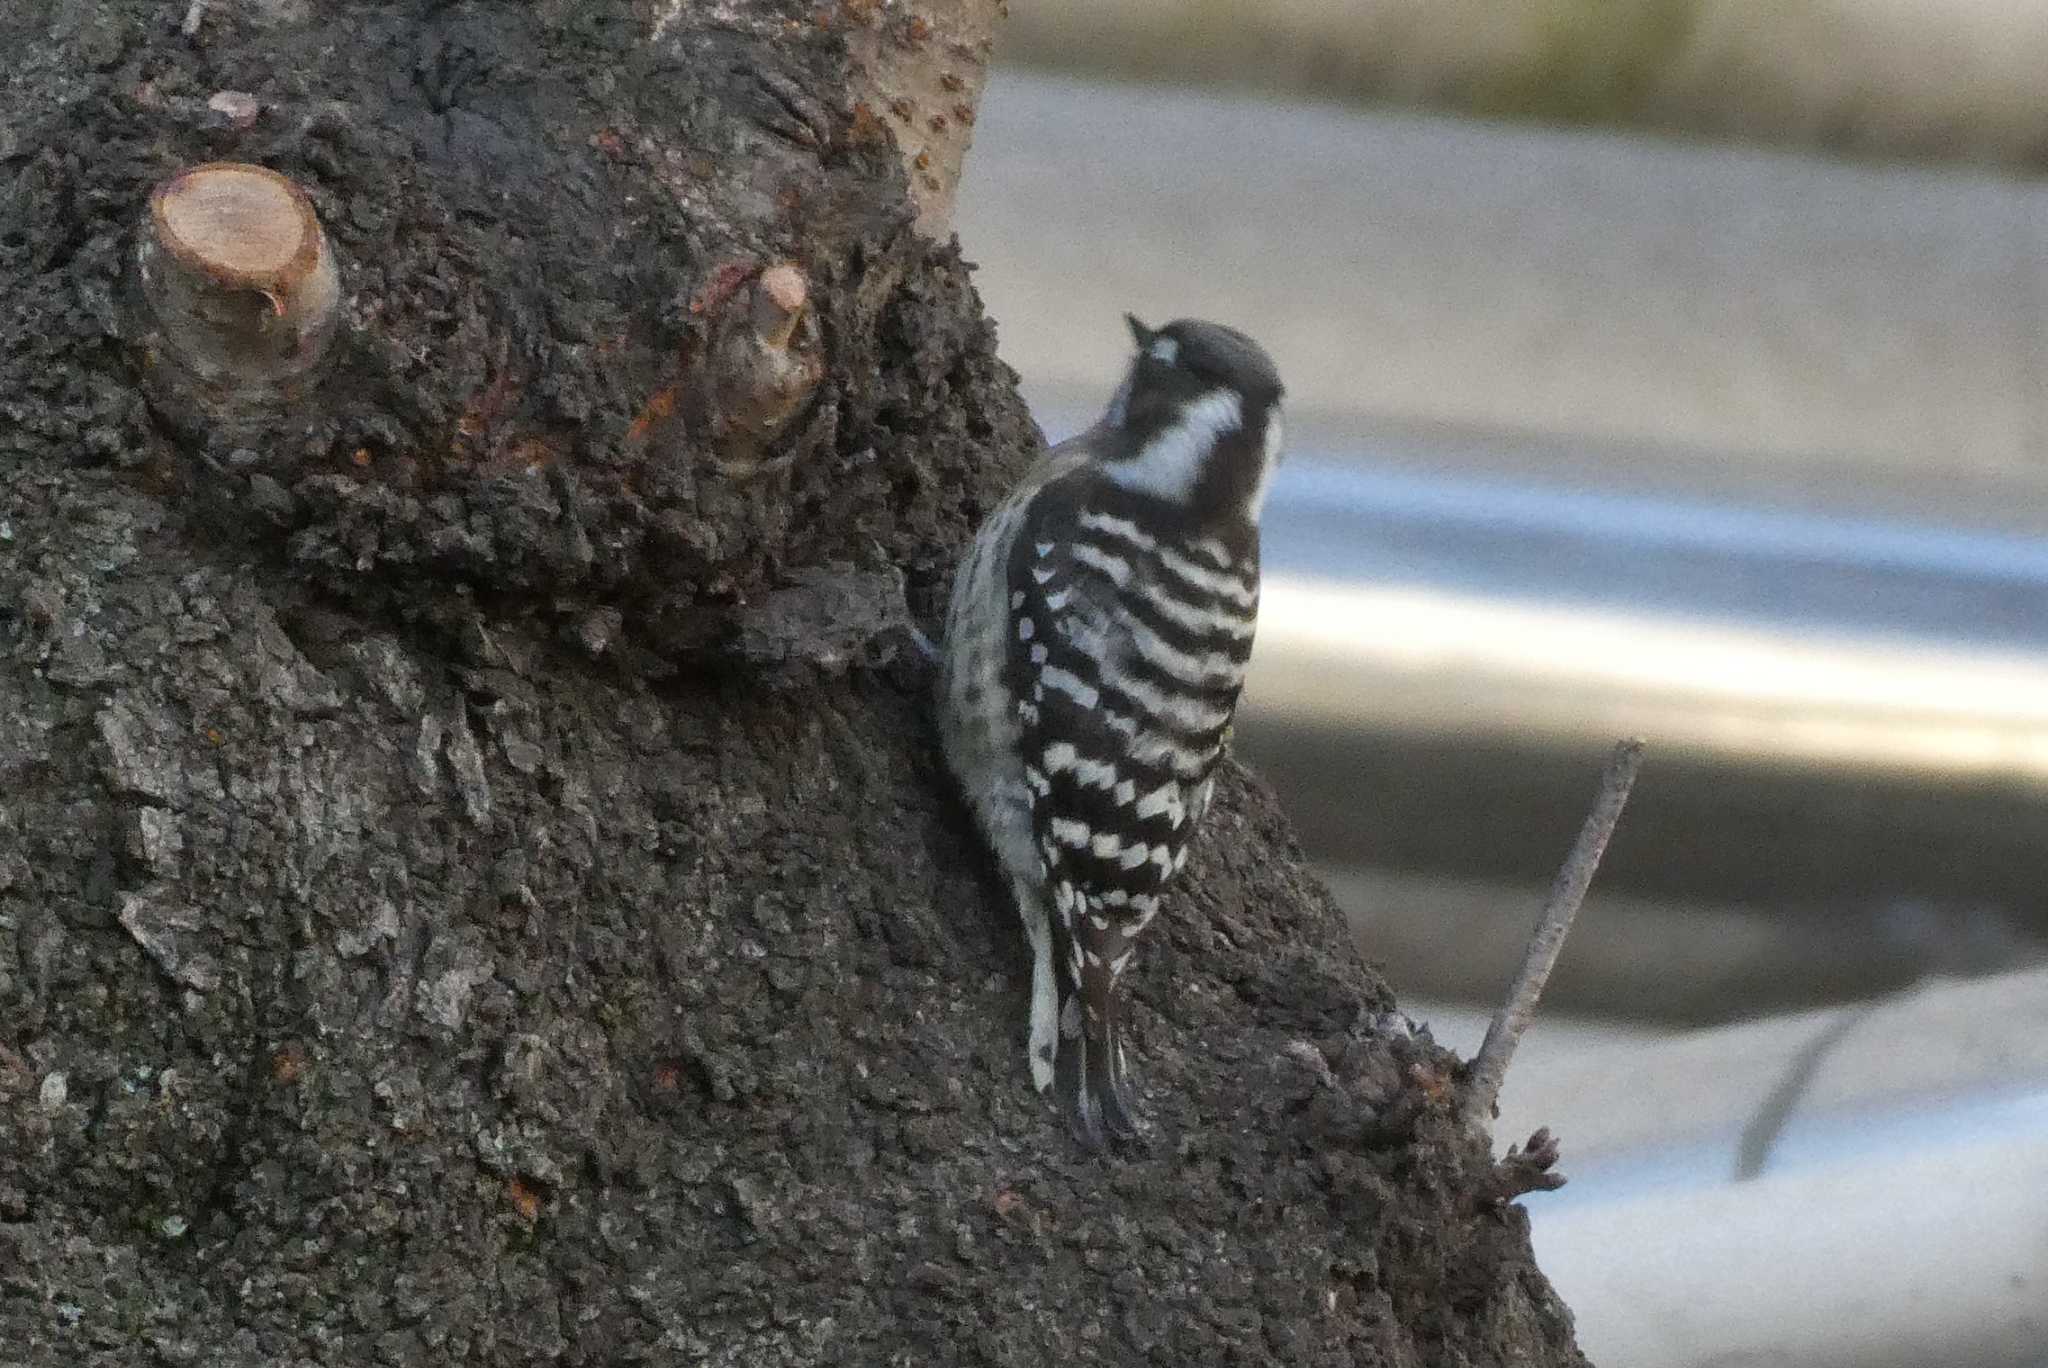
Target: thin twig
1490	1065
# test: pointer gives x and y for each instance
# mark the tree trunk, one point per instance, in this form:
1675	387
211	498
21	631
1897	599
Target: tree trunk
476	884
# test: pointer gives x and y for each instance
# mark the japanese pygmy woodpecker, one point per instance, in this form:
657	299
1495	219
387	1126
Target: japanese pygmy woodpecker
1094	650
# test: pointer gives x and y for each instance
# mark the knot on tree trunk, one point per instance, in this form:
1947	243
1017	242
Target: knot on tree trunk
503	347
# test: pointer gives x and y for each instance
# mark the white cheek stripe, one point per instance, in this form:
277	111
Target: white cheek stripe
1171	463
1276	433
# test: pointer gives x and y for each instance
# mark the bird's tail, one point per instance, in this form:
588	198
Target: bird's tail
1102	1102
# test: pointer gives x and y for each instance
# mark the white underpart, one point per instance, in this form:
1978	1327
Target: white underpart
1045	994
981	727
1169	465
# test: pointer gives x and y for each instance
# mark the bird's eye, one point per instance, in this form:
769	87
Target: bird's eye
1165	350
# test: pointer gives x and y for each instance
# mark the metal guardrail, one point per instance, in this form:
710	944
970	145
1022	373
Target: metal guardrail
1847	708
1755	636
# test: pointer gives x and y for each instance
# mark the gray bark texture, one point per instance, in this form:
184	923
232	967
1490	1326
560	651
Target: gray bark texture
476	882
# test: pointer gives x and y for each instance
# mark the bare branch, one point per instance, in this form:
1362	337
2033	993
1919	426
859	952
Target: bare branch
1490	1065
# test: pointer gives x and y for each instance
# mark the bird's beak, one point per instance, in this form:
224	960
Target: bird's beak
1141	334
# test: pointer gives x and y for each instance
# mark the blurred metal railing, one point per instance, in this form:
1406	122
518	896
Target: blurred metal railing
1755	636
1847	709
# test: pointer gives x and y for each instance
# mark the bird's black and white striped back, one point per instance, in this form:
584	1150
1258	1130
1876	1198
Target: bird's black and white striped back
1096	644
1127	659
1128	654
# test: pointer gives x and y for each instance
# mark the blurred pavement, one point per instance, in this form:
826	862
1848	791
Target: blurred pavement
1863	1187
1780	321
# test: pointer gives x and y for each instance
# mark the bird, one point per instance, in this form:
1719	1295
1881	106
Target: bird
1095	646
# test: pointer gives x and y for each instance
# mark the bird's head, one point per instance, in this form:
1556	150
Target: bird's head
1197	421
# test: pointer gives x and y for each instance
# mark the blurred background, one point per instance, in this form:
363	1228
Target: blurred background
1658	367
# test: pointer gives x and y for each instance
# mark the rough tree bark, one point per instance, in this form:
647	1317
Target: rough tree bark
475	882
